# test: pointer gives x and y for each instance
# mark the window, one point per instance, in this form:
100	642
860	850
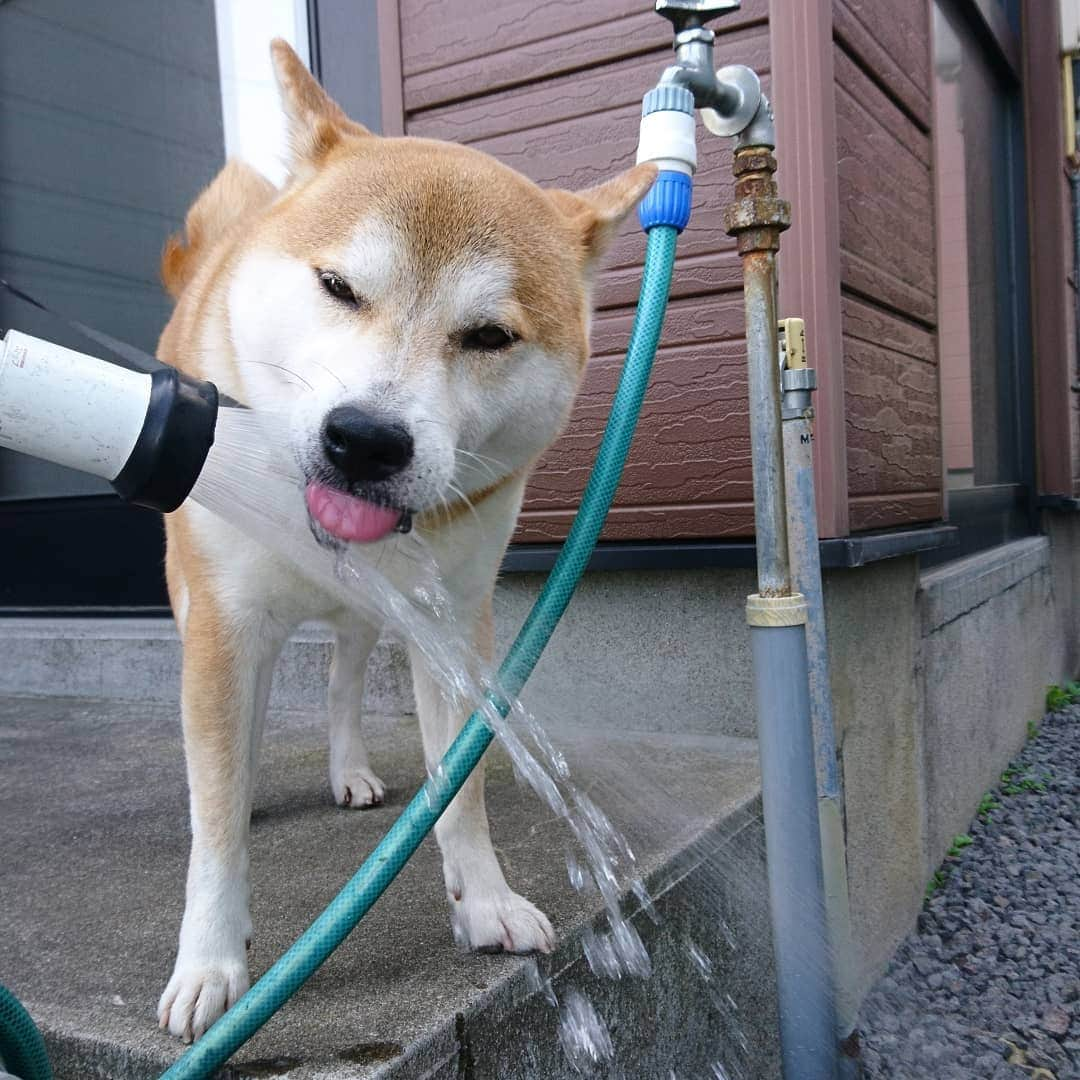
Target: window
983	332
254	125
111	124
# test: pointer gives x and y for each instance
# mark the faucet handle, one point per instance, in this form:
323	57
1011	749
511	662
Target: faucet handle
691	14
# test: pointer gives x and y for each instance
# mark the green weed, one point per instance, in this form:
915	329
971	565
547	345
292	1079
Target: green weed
1061	697
959	843
936	882
1015	783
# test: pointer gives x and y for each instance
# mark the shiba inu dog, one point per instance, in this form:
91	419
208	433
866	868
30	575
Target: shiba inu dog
420	314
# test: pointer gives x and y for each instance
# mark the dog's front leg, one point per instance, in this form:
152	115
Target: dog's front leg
351	777
226	684
486	913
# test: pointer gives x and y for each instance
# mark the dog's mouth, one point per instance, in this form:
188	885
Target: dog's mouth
352	518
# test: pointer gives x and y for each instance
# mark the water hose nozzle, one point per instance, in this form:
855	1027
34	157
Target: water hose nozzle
147	432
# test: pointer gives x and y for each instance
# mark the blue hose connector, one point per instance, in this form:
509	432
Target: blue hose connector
667	202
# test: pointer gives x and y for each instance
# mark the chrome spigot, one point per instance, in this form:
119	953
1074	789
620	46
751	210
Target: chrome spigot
729	99
691	14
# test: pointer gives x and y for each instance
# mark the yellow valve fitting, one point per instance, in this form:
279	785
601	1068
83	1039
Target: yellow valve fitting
776	610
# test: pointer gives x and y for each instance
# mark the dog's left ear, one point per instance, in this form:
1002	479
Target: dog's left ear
598	212
316	123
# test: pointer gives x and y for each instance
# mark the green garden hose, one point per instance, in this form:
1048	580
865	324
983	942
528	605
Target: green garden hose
22	1049
20	1043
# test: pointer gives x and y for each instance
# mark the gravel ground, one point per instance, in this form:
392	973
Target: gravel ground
988	986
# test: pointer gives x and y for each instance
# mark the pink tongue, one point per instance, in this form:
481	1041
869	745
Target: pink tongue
347	517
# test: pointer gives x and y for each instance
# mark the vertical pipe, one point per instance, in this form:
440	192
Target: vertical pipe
806	579
766	446
778	639
1074	189
793	845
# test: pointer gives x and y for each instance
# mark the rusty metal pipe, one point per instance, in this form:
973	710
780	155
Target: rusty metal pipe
756	219
766	447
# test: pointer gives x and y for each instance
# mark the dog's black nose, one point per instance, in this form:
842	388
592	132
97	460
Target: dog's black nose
364	447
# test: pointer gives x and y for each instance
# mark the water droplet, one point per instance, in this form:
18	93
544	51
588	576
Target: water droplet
630	949
638	888
701	961
583	1035
600	954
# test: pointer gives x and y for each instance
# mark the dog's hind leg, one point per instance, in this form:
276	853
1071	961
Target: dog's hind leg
351	778
486	913
226	685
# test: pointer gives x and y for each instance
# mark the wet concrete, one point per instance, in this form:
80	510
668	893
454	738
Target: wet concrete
93	851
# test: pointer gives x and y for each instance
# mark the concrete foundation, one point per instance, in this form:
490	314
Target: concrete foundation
991	642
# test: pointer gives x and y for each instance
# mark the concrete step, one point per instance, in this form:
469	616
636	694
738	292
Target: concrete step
663	651
93	853
139	660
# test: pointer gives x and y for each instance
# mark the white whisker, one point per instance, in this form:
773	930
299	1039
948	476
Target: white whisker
329	371
468	502
280	367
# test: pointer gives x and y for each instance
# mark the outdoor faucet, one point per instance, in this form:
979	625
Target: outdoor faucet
730	100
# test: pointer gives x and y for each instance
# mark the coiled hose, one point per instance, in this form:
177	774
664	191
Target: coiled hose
22	1049
324	935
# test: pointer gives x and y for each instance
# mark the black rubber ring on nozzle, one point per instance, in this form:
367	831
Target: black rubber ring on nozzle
176	437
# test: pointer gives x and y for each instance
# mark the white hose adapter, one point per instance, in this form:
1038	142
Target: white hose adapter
667	136
147	433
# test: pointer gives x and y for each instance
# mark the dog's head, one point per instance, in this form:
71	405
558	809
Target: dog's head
419	311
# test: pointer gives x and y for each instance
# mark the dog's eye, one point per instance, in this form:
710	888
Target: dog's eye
338	288
488	338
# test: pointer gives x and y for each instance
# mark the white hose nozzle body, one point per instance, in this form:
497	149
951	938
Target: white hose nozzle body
69	408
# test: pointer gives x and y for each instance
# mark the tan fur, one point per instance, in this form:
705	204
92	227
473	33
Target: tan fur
546	237
236	193
408	179
316	124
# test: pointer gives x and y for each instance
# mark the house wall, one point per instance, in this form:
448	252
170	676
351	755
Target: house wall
573	121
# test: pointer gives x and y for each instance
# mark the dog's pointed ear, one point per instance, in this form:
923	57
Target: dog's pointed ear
316	123
598	212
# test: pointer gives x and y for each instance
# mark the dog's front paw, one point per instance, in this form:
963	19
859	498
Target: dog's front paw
500	920
198	993
356	787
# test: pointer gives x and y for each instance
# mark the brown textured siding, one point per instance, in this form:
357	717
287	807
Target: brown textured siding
527	83
559	101
887	263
